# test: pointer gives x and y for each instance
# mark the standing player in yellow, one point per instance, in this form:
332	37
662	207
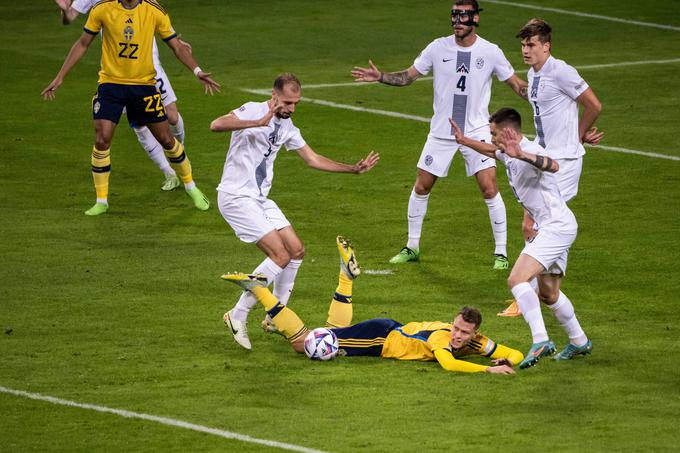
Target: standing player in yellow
127	80
443	342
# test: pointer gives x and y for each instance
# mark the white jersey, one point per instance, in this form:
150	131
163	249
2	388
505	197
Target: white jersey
462	83
84	6
552	93
249	168
537	190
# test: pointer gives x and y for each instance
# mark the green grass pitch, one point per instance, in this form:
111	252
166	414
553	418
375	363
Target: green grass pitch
125	310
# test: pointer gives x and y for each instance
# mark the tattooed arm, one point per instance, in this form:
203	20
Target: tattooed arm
373	74
509	144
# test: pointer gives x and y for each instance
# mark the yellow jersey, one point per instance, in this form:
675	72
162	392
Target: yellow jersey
127	39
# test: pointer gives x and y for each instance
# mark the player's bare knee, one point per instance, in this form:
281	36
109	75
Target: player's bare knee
281	257
514	280
173	116
101	143
489	192
422	189
167	142
298	252
548	297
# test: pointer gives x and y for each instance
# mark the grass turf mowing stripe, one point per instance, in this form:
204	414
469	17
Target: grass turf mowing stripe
161	420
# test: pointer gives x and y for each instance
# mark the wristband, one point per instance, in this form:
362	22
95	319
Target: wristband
197	69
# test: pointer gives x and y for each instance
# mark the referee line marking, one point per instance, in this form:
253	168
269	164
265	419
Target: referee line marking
423	119
161	420
588	15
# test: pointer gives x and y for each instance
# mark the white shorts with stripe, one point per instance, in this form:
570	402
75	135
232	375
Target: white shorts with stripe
251	219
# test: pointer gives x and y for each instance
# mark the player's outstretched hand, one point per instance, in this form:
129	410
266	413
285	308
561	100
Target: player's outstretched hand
370	74
367	163
209	85
592	136
48	93
509	142
500	369
64	5
457	132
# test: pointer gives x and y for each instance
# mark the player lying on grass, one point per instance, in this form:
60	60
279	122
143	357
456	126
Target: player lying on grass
531	176
387	338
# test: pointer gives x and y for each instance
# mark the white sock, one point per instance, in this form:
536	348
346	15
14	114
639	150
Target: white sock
534	284
530	306
154	150
189	185
283	284
563	310
499	226
178	129
247	301
103	201
417	208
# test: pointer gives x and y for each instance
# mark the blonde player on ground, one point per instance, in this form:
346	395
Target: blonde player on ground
127	81
463	65
443	342
531	175
69	12
556	90
259	130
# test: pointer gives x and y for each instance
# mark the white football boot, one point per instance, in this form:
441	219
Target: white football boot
239	329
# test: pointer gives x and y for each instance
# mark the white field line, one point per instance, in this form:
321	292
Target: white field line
423	119
580	14
589	66
161	420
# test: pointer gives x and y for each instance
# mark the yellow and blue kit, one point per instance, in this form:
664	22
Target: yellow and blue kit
424	341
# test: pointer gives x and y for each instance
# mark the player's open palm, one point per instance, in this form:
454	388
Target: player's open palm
63	4
592	136
510	139
48	92
370	74
367	163
209	85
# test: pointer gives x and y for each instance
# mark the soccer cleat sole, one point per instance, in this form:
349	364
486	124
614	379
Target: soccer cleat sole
246	281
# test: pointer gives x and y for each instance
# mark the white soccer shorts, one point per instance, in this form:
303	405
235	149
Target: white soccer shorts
250	219
438	153
568	177
164	87
551	249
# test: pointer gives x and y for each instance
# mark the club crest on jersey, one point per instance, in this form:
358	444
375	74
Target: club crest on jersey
479	63
128	33
462	69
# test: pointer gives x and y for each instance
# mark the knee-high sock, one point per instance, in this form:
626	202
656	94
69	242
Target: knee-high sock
101	170
530	306
284	282
180	162
499	225
247	301
563	310
153	149
285	319
417	208
178	129
340	310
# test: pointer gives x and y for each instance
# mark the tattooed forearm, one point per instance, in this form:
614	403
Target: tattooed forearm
399	79
543	163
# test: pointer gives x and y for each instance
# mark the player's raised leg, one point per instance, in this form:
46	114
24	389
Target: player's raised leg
155	152
486	179
340	310
522	272
417	208
174	151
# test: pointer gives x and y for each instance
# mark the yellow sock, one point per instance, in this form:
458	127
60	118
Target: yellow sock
285	319
340	310
101	170
179	162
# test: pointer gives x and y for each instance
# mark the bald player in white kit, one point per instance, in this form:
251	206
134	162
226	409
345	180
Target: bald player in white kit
70	10
532	176
259	130
463	65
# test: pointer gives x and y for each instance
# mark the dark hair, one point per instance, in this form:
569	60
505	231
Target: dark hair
286	79
471	315
536	27
474	4
507	115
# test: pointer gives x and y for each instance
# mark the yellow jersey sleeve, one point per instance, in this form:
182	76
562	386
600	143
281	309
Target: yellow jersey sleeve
164	27
450	363
504	352
93	25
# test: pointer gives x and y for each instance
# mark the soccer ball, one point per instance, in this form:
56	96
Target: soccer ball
321	344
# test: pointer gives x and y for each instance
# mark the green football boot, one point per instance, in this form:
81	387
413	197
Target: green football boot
98	208
405	255
572	350
536	353
171	183
200	200
500	262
